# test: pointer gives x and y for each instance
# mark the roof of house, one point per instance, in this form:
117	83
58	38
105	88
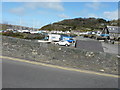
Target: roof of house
113	29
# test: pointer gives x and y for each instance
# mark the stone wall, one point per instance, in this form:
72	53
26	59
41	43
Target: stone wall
58	55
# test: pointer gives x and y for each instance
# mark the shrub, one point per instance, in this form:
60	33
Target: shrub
24	35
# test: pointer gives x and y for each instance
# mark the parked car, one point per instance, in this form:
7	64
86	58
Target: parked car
67	38
71	40
63	43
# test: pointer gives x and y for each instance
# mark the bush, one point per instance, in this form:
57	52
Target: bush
24	35
73	35
10	33
34	36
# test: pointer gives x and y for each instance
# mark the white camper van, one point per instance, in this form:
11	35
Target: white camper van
53	37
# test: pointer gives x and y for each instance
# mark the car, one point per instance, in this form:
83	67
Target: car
71	40
63	43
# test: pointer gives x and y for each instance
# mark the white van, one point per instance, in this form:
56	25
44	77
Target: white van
53	37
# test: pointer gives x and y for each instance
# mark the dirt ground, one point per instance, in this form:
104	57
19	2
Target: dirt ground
60	55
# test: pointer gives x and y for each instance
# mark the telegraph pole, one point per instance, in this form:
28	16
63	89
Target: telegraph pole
33	23
20	23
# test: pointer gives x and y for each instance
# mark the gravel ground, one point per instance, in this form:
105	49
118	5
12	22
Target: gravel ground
107	47
58	55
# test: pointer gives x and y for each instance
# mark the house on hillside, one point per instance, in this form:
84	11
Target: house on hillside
109	33
114	32
113	29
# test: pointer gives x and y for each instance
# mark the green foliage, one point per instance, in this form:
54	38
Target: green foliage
24	35
10	33
64	34
73	35
3	26
114	22
81	24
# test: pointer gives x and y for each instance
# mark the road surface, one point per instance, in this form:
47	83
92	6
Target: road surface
25	75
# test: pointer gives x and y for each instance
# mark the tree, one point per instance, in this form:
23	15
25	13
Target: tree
4	26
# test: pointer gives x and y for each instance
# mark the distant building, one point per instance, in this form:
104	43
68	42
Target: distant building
52	37
113	31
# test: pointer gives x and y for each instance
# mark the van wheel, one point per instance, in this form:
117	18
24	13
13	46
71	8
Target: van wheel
57	44
96	38
118	39
66	45
112	42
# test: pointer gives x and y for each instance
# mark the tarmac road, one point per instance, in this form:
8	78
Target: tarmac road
17	74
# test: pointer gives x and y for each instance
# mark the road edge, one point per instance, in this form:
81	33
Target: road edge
60	67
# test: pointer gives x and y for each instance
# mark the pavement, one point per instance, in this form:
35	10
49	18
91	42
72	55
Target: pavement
110	48
19	74
107	47
91	45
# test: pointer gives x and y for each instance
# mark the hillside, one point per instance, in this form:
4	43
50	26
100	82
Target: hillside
15	27
79	24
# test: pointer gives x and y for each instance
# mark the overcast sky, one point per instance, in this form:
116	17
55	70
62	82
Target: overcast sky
38	14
